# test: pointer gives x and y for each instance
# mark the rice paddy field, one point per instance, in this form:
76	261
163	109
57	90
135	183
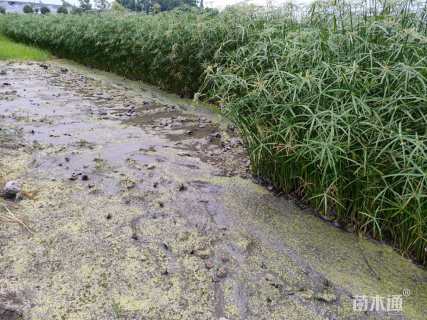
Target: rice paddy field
331	99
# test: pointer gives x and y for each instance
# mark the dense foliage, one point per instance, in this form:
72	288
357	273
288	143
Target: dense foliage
44	10
169	49
2	10
149	5
332	101
28	9
62	10
85	5
102	4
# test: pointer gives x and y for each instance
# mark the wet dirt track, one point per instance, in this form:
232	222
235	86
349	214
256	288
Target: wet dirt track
141	207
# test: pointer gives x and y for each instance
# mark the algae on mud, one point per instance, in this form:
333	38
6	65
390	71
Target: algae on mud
223	247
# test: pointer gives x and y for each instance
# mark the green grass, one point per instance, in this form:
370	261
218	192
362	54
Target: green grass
10	50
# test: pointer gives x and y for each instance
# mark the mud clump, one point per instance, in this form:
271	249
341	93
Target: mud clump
11	190
222	272
10	306
9	314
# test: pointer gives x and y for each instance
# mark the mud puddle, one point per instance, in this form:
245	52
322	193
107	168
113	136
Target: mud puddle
142	207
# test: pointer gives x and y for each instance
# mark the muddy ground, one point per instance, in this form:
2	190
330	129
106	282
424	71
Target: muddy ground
138	205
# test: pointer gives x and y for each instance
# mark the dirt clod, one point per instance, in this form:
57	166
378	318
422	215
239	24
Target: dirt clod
222	272
11	189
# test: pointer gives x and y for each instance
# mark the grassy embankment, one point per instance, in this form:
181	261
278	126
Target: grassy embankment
10	50
332	101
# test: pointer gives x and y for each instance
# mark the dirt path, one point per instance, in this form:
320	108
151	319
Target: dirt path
141	207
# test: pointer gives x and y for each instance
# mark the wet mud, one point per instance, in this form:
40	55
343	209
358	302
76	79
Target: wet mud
140	205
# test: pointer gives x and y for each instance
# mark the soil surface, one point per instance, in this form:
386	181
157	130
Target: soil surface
138	205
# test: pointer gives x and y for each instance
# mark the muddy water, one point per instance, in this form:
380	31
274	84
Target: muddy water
141	207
